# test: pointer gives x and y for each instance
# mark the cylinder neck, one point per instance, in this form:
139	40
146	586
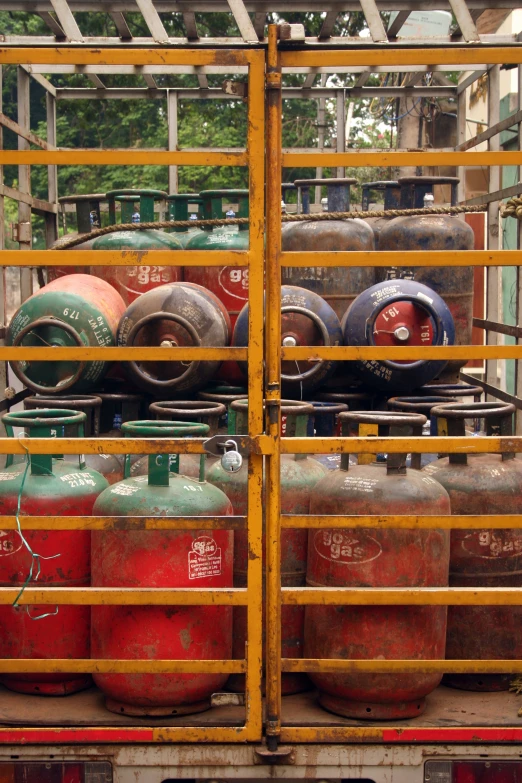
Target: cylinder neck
497	416
87	403
414	189
381	425
202	412
46	423
160	466
296	416
179	208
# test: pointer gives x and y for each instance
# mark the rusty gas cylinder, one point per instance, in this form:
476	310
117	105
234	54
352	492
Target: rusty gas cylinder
436	232
132	281
337	285
299	474
391	192
107	464
72	311
46	486
398	313
197	411
306	319
478	484
177	314
88	218
188	559
377	557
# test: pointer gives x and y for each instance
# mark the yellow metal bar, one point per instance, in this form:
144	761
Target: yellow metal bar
125	596
312	665
254	646
68	55
400	521
402	596
124	258
398	353
126	157
100	666
435	445
123	523
385	258
259	444
360	159
109	354
200	734
387	55
273	390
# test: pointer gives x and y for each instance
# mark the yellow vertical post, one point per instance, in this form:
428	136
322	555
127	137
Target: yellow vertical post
256	148
273	390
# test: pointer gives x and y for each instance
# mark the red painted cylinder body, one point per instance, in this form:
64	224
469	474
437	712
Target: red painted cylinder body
376	558
492	484
167	559
67	490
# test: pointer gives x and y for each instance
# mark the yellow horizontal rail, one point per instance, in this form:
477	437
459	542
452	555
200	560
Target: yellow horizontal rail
126	157
398	258
123	523
313	665
114	354
396	353
402	596
258	444
359	158
100	666
68	55
126	596
435	445
399	521
124	258
389	55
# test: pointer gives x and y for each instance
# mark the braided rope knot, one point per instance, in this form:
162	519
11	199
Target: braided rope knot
512	208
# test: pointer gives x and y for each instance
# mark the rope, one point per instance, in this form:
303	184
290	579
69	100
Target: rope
320	216
512	208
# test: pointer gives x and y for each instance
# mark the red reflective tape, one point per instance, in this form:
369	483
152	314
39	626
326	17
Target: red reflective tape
478	734
54	736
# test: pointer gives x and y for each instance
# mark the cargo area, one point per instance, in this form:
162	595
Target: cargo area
260	391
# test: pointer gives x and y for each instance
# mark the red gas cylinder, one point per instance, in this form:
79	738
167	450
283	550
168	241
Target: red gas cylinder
44	487
482	484
195	411
299	474
131	281
88	218
107	464
377	558
196	559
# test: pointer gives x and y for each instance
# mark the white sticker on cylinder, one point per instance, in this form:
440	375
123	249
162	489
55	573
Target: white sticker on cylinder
204	560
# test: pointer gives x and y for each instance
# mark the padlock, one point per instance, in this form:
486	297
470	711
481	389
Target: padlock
231	460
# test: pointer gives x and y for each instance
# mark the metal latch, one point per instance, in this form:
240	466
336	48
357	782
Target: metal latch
21	232
283	755
219	444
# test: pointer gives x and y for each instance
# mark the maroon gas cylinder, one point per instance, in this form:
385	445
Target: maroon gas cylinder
88	218
107	464
338	286
377	558
194	559
177	314
299	474
436	232
46	487
482	484
196	411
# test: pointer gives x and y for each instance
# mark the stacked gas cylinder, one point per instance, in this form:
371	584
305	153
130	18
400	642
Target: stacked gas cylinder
169	307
